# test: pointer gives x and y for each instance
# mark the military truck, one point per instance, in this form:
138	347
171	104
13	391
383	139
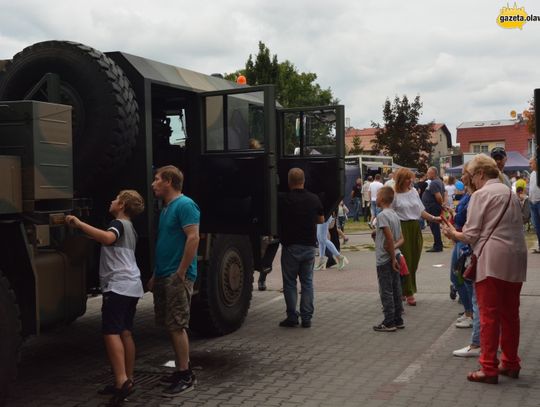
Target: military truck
78	125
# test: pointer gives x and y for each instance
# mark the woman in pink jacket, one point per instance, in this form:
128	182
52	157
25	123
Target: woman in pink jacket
495	231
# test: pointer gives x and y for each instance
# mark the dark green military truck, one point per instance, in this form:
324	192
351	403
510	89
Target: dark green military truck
78	125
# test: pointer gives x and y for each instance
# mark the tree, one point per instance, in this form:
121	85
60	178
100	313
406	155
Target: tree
401	136
529	114
357	148
293	88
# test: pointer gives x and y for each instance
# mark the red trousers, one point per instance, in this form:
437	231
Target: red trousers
498	302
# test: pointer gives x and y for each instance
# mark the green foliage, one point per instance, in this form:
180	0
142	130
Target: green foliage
401	136
357	148
293	88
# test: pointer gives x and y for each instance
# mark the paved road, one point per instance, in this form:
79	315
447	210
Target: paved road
340	361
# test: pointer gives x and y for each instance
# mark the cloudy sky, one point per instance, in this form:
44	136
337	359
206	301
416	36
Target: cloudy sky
452	53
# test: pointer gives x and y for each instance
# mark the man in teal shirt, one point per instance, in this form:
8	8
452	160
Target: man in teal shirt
175	271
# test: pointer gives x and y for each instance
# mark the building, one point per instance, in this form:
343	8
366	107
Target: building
440	137
482	136
442	140
366	137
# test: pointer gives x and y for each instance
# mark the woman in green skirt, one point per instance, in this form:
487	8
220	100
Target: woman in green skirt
410	209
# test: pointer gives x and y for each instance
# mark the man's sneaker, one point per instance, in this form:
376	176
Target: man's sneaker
173	377
467	352
306	324
342	262
288	323
466	322
400	324
384	328
179	387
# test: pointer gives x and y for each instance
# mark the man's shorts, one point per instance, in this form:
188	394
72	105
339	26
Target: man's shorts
117	313
172	302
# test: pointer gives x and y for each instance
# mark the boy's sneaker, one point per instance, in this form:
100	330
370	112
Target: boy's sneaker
384	328
400	324
179	387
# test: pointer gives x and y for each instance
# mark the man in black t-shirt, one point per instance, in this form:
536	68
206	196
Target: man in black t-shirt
299	212
356	199
432	198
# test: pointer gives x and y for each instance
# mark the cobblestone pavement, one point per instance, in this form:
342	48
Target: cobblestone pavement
340	361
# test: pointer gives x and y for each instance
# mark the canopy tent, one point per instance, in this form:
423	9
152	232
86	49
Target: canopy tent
515	162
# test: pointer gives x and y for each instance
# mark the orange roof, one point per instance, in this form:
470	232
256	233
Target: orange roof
368	135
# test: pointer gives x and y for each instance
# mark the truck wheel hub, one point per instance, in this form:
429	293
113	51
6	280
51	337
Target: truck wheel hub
232	279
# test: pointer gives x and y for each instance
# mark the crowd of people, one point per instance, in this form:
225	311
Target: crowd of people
487	227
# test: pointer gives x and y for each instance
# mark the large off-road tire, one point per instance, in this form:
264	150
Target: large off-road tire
10	336
226	286
105	112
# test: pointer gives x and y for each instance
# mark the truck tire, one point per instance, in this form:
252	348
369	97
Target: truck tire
105	112
226	287
10	337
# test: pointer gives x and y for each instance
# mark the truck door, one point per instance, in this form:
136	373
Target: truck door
236	172
314	139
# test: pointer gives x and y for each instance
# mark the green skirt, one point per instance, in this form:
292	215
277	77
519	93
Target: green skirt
412	250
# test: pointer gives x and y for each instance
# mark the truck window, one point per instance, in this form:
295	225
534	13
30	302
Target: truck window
178	129
310	133
215	133
235	122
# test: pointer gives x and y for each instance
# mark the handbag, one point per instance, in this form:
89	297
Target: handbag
470	271
461	265
403	269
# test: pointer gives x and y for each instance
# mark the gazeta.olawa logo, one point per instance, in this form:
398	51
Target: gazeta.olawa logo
514	17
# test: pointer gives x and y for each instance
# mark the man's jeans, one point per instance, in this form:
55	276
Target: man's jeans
297	261
435	228
375	210
390	292
357	209
535	217
367	210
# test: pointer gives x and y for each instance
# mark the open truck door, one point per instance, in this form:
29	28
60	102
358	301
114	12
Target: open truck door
313	139
237	162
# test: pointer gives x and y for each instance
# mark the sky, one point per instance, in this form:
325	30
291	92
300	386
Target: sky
452	53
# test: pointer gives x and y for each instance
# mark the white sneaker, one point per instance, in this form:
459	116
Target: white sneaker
322	264
342	262
461	318
467	352
466	322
